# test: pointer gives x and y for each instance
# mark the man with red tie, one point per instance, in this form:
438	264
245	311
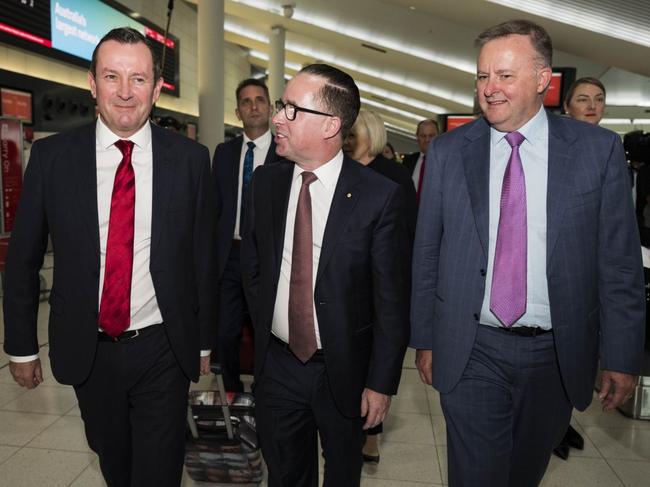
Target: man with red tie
526	270
129	210
426	131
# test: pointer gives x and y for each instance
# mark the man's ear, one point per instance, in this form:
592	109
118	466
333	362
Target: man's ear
332	127
93	85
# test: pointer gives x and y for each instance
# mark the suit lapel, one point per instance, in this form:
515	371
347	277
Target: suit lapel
271	156
344	200
235	157
86	153
476	161
163	177
560	177
280	189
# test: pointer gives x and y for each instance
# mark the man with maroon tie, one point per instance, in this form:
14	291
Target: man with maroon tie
426	131
526	270
129	210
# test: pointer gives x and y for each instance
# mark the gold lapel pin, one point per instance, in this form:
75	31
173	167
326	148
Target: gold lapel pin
349	195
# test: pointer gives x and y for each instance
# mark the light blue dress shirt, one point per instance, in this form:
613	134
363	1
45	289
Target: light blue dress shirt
534	157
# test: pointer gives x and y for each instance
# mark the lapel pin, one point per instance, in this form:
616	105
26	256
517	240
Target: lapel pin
349	195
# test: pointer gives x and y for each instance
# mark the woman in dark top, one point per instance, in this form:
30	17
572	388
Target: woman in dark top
365	144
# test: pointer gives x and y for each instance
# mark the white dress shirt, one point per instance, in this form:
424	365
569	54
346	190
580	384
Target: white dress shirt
262	144
322	193
416	171
534	158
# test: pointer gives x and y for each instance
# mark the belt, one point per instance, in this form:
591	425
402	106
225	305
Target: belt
319	355
127	335
524	331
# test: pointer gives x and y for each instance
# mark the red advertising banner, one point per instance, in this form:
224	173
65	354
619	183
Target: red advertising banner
554	91
11	153
16	104
455	121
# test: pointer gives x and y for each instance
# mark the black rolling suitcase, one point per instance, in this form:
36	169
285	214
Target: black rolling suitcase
222	444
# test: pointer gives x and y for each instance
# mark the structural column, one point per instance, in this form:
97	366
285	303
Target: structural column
276	62
210	62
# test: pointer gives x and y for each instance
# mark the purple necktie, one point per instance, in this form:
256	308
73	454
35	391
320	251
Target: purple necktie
508	298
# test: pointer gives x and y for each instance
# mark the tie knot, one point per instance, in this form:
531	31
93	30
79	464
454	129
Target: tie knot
308	177
125	146
515	139
251	145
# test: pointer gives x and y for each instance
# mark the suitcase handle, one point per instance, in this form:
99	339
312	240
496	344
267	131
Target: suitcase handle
225	408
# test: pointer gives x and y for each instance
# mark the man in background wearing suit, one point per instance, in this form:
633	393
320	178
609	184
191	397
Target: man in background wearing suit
416	162
232	169
526	270
324	275
129	209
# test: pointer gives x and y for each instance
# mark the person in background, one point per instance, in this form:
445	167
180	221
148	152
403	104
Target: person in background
426	131
364	143
232	168
527	270
389	152
585	101
129	208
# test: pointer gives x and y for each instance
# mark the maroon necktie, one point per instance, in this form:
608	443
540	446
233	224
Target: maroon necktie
115	308
508	297
302	334
424	157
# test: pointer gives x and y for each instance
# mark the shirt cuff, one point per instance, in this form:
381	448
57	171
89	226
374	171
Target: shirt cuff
20	360
206	353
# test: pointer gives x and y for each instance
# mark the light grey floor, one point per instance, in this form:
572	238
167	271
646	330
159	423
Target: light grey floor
42	441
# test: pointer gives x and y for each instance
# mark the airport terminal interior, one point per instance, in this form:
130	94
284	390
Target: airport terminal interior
412	60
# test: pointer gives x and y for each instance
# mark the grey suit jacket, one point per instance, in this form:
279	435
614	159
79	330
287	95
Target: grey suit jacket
594	269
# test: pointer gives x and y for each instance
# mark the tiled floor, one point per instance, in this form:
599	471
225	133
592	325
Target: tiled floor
42	441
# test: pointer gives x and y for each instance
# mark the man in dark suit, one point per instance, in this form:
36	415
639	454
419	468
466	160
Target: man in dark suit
526	270
129	209
232	169
426	131
325	279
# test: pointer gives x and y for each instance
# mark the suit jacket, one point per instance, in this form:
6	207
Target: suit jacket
396	172
594	271
225	184
360	297
59	198
410	160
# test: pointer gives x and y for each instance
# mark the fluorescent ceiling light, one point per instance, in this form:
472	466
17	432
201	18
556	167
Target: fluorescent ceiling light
616	121
394	44
609	18
400	130
388	108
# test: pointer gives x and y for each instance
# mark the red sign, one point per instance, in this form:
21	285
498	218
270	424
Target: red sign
455	121
16	104
11	153
157	36
554	91
24	35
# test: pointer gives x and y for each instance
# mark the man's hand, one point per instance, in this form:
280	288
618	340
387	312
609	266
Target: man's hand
205	365
616	388
424	363
374	407
27	374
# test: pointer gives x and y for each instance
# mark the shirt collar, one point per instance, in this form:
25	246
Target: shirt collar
327	174
533	130
262	142
105	138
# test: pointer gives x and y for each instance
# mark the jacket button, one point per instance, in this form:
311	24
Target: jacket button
483	272
322	303
476	316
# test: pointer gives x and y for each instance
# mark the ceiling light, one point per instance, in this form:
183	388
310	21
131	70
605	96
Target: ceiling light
394	110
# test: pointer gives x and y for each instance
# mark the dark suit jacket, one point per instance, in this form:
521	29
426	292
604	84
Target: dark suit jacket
361	275
595	278
225	184
410	160
396	172
59	198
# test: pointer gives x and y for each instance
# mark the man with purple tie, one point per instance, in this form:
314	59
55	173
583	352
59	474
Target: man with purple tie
526	270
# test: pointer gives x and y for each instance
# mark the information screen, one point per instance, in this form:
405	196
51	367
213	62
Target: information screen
70	29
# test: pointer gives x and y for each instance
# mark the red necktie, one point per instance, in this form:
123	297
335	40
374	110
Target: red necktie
115	308
302	334
421	176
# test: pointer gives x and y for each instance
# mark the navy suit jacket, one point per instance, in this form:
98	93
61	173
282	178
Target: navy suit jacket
59	199
594	269
361	284
225	184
